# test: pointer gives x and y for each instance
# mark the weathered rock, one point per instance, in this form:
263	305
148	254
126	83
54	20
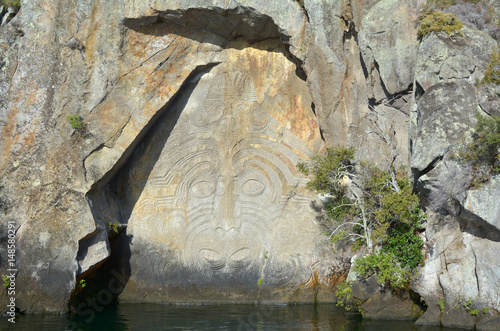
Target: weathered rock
458	318
483	202
195	115
93	250
120	66
375	302
363	290
211	195
491	324
389	45
388	305
460	240
442	59
489	99
345	109
445	115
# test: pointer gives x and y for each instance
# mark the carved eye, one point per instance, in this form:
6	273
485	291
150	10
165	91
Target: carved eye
241	254
210	255
252	187
212	258
202	189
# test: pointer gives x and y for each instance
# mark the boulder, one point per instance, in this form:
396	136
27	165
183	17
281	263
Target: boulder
483	202
389	45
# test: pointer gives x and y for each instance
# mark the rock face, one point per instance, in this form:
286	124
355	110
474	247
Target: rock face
212	98
461	232
376	303
183	180
211	197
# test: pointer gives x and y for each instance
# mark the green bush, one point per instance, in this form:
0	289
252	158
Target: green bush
324	167
81	283
441	305
6	281
365	209
386	266
486	310
16	4
492	74
468	304
343	293
483	153
75	121
435	21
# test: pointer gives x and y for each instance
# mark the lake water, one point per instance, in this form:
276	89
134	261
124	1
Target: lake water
216	317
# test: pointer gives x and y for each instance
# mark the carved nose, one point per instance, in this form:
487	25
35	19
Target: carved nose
229	223
226	218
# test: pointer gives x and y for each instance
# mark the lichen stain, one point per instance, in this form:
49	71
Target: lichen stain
6	136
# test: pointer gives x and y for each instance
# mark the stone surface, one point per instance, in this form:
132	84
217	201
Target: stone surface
462	235
489	325
388	305
484	202
458	318
195	115
445	116
120	66
211	198
389	44
489	99
442	59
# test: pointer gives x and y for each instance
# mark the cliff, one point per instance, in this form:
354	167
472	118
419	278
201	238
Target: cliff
189	117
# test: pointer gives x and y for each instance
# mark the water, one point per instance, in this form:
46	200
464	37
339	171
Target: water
218	317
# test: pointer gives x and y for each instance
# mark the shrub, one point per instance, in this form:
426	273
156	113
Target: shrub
6	281
435	21
366	207
343	293
324	168
468	304
389	270
16	4
477	14
81	283
483	153
75	121
113	227
441	305
486	310
492	74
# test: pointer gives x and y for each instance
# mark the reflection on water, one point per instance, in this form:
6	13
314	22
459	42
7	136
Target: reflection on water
220	317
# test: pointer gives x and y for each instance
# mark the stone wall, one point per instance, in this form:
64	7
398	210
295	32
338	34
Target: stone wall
196	113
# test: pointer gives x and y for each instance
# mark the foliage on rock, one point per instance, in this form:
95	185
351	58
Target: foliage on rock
364	207
483	153
477	14
436	21
492	74
343	293
16	4
114	227
6	281
75	121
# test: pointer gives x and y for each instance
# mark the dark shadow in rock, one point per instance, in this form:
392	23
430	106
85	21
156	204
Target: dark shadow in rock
476	226
107	195
111	202
217	26
101	285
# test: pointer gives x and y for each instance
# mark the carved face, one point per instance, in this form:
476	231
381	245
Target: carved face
221	183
